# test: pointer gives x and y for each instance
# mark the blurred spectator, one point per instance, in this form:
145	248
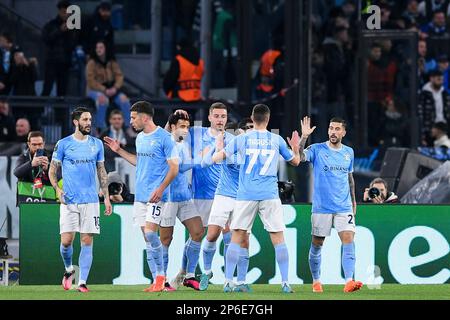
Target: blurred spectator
22	130
387	21
6	44
433	106
437	27
412	15
7	123
60	43
378	192
245	124
427	7
394	125
443	66
270	75
99	28
424	65
32	166
23	74
116	131
439	135
118	190
104	81
184	77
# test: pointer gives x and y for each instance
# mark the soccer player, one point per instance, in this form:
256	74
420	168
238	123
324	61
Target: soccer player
221	211
181	205
156	162
205	179
258	154
334	201
81	157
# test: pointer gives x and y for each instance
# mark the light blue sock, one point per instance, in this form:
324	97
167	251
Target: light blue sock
226	243
315	259
165	258
242	265
184	261
66	254
348	260
156	251
232	259
192	254
209	249
150	262
282	256
85	262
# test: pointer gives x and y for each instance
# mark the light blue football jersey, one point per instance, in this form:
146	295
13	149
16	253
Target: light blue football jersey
79	168
258	155
331	184
152	151
205	179
180	188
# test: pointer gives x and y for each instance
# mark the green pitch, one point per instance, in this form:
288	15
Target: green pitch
214	292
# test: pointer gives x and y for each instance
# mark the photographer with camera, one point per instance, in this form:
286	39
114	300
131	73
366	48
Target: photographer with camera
378	192
118	191
32	171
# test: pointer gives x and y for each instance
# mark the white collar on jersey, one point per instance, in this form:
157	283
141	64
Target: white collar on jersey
334	149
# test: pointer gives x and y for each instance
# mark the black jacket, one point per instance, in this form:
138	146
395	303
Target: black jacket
97	29
24	170
426	112
7	128
59	44
22	79
170	82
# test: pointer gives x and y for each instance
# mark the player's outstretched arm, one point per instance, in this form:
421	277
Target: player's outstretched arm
114	145
171	174
351	183
103	179
306	132
53	176
294	142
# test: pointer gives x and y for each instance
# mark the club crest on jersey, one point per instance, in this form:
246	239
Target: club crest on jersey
347	157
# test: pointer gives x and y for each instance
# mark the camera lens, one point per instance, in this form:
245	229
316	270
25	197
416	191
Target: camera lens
374	192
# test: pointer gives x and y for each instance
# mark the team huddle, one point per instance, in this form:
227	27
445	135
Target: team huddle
234	178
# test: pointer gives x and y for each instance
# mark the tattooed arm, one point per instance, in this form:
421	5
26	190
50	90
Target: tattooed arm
53	176
351	183
103	179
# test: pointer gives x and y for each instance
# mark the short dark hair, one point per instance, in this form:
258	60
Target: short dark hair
8	36
63	4
260	113
105	5
339	120
35	134
115	112
435	12
173	118
143	107
441	126
243	123
231	125
435	73
379	180
76	114
218	105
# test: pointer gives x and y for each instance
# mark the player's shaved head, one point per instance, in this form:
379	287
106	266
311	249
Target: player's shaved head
260	113
143	107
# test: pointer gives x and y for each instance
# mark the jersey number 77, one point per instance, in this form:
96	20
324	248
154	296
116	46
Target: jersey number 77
254	154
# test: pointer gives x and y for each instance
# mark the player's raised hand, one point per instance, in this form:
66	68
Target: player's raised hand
220	144
108	207
306	127
294	141
113	144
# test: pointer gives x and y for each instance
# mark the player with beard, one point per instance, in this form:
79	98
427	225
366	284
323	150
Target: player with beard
81	157
334	203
